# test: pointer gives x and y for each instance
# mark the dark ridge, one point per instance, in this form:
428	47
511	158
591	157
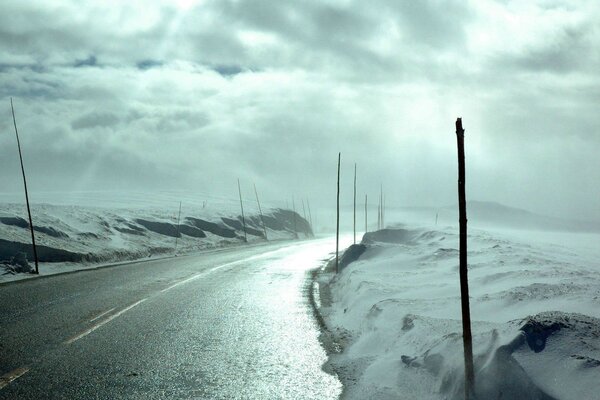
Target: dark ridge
255	232
162	228
21	223
134	227
287	219
351	254
255	221
50	231
45	254
211	227
396	236
191	231
14	221
237	224
89	235
129	231
273	223
234	223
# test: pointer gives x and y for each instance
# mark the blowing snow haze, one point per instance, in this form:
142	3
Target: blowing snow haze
190	95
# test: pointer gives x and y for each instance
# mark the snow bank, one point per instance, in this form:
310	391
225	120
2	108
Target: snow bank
74	235
535	305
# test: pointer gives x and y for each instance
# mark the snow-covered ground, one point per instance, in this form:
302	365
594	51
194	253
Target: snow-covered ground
535	306
73	237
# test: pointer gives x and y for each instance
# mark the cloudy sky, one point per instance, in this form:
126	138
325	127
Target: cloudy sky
190	95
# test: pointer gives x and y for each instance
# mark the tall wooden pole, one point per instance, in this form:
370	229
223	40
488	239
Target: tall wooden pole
381	226
35	257
366	214
383	213
381	209
262	220
379	214
242	207
178	220
354	203
310	217
295	225
464	282
304	211
337	224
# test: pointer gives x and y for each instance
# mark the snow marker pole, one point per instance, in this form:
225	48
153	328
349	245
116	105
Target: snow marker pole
35	257
464	282
310	218
366	214
354	203
178	220
379	214
295	224
304	213
242	207
261	214
337	225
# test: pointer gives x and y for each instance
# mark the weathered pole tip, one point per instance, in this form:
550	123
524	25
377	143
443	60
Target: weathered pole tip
459	127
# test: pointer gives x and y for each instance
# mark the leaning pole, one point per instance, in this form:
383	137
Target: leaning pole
35	257
464	282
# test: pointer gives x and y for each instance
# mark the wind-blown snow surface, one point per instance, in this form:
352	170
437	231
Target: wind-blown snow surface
535	304
72	237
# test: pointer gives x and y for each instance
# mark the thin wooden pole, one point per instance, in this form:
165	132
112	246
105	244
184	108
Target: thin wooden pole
383	213
304	211
354	203
35	257
366	215
242	207
379	215
381	209
178	221
337	224
464	282
262	220
310	217
295	225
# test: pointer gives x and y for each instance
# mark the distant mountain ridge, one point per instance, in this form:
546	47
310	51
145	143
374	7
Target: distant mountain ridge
502	215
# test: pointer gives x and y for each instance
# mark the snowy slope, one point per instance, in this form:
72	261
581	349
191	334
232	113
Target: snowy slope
396	313
68	235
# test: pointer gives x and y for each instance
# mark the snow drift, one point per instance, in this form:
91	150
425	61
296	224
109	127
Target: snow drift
535	303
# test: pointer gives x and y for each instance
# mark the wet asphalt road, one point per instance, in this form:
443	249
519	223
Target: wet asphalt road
234	324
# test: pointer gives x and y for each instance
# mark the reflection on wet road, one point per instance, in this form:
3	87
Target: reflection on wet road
231	325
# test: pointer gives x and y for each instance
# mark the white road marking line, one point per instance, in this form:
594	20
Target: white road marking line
229	264
101	314
103	322
7	378
198	275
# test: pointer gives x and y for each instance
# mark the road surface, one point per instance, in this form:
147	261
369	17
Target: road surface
233	324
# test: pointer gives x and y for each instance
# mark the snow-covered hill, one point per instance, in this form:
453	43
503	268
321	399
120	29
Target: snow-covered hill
74	234
535	304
